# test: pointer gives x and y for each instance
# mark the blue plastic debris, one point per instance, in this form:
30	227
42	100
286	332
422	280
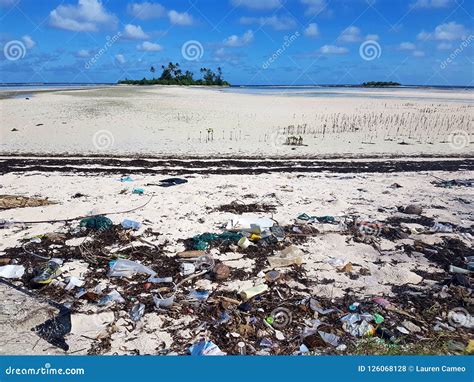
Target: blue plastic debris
131	224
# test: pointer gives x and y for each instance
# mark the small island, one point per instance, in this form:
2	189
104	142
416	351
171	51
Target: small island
172	74
379	84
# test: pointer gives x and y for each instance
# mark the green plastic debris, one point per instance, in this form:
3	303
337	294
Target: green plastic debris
201	242
378	318
96	222
320	219
138	191
270	320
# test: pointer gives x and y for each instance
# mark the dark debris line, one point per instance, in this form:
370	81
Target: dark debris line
226	166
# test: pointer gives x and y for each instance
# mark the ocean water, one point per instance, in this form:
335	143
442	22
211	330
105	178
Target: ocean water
43	86
405	92
467	93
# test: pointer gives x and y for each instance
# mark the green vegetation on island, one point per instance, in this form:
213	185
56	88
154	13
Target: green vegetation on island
173	75
379	84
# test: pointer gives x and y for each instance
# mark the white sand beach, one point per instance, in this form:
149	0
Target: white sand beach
179	121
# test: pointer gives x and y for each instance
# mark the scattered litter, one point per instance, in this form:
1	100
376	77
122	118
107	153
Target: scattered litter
187	269
318	219
96	223
289	256
172	182
74	282
164	302
137	312
195	295
47	272
203	241
131	224
442	228
403	330
12	271
255	225
138	191
204	347
454	183
254	291
224	288
128	268
329	338
113	296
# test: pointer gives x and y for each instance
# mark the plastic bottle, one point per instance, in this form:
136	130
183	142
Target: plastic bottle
241	347
254	291
158	280
385	334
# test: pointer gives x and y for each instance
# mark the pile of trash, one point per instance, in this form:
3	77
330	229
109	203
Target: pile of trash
96	267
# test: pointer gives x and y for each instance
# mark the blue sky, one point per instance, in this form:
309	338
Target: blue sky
269	42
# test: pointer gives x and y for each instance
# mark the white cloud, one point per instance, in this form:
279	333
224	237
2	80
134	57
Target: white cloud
180	18
83	53
259	5
407	46
332	49
445	46
312	30
423	35
450	31
120	58
445	32
418	53
222	54
29	43
427	4
146	10
350	34
86	16
236	41
149	47
134	32
276	22
373	37
314	7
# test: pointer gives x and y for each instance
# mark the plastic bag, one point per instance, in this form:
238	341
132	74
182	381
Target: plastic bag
164	302
113	296
127	268
12	271
287	257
